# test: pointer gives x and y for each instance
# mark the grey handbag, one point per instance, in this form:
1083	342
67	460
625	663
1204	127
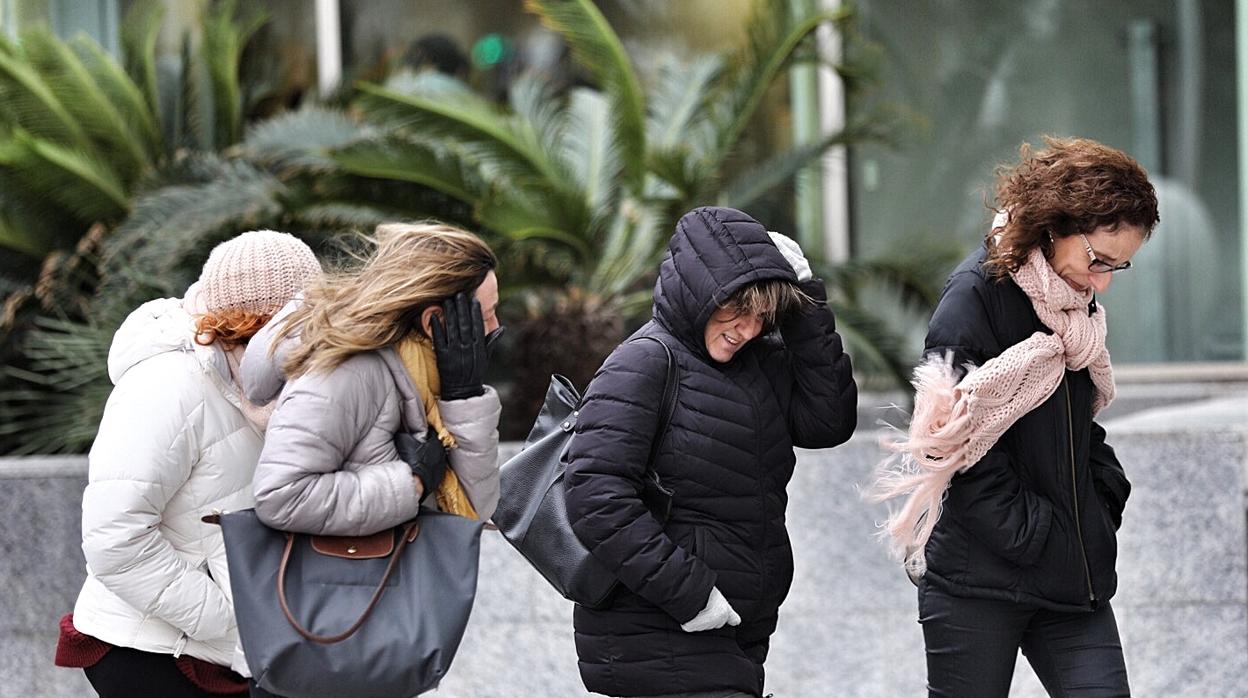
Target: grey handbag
532	514
378	615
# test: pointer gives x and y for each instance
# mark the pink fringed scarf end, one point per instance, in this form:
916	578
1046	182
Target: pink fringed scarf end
934	450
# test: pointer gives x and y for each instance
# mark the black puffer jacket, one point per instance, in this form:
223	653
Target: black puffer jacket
728	455
1035	520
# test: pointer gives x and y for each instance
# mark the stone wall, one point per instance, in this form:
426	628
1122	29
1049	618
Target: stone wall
849	627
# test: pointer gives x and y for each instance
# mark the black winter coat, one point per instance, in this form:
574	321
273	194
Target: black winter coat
1035	520
727	455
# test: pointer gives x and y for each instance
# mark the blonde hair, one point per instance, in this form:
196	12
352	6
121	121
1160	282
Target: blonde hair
413	266
771	300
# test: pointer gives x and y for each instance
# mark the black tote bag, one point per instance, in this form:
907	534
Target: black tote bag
532	514
380	615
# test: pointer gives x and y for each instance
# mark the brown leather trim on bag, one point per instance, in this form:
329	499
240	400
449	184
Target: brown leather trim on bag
410	531
379	544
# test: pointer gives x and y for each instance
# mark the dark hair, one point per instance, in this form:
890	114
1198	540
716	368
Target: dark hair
1073	186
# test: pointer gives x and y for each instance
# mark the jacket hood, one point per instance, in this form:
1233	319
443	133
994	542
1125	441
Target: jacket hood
714	252
157	327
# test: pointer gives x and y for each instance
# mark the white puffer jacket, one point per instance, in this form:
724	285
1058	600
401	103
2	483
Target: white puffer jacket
173	446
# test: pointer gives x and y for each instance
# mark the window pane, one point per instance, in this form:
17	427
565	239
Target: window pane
1152	77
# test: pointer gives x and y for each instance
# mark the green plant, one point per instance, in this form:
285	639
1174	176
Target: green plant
578	191
81	137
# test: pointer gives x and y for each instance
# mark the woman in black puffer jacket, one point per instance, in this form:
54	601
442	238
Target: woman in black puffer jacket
1022	545
700	593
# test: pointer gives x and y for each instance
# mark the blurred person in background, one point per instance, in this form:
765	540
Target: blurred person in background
178	440
1013	498
760	371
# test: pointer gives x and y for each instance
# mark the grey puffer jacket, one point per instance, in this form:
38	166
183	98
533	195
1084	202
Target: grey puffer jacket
329	465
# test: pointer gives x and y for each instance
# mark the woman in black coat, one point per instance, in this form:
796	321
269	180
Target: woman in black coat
1021	550
701	590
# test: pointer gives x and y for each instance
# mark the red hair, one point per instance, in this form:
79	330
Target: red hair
228	326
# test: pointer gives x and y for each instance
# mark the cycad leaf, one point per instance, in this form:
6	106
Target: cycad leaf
73	179
596	46
224	36
677	105
71	82
55	405
773	37
34	106
129	100
486	133
590	150
406	160
139	33
758	181
539	108
301	140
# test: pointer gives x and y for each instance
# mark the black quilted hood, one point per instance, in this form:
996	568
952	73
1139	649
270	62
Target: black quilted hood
714	252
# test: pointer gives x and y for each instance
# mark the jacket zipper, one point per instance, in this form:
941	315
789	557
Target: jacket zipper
1074	491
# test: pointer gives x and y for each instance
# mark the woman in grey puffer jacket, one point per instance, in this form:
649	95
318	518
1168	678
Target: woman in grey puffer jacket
385	369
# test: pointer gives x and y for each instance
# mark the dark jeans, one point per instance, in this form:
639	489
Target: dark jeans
129	673
972	645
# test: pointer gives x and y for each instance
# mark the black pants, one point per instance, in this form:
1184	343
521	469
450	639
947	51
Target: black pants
130	673
972	645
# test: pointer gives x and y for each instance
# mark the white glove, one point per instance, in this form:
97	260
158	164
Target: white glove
717	613
792	254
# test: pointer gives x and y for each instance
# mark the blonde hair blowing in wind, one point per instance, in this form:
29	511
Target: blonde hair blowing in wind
412	266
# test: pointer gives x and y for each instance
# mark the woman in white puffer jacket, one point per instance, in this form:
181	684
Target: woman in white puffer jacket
177	441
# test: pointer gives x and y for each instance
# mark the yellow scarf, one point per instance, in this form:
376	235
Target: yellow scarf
418	358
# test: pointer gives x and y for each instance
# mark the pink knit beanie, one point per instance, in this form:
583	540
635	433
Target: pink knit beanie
257	272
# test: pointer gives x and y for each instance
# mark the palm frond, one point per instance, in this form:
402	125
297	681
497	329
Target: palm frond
126	96
224	36
758	181
678	101
73	179
592	153
913	276
69	80
773	37
534	100
55	402
596	46
634	244
408	160
876	348
343	215
139	33
491	136
32	104
302	140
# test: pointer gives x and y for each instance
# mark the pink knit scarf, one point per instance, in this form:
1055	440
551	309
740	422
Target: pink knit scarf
956	422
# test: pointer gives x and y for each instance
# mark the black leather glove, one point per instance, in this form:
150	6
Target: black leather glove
492	338
459	344
427	459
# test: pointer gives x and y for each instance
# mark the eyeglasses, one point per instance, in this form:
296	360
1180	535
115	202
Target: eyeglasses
1096	266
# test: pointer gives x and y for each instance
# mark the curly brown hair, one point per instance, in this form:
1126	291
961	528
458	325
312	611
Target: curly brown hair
228	326
1073	186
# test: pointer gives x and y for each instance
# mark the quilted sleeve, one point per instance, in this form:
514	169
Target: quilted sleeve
606	463
301	484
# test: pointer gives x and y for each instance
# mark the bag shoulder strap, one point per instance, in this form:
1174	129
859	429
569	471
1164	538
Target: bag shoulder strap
671	386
